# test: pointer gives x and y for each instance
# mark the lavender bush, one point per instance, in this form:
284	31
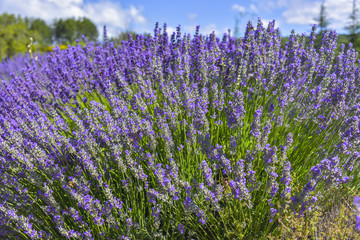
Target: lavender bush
15	65
177	137
357	217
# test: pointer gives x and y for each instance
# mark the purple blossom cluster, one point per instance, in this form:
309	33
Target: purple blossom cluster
357	217
159	134
14	65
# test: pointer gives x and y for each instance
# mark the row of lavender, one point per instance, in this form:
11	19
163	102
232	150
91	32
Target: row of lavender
177	137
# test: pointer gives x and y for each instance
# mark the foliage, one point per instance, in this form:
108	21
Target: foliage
68	30
40	26
354	25
335	221
323	21
14	35
124	36
16	31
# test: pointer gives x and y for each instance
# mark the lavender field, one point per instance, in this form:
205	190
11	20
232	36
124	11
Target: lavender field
182	137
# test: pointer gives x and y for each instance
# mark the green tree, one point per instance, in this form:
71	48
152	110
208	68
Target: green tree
239	20
87	28
68	30
124	36
14	35
354	25
236	30
323	20
65	30
40	26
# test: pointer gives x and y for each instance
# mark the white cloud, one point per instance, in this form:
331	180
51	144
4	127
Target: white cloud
238	8
266	23
301	14
192	16
338	12
269	5
209	29
203	30
253	8
67	3
104	12
170	30
280	3
305	12
226	30
136	15
184	29
189	29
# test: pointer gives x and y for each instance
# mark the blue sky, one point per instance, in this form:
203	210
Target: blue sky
141	15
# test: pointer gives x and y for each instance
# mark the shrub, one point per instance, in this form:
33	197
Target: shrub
178	138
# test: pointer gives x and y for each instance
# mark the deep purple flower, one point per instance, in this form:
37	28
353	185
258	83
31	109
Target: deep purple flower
181	228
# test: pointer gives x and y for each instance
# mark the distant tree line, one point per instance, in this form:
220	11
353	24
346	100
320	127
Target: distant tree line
16	31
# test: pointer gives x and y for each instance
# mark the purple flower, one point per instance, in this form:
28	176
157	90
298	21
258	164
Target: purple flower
202	221
181	228
357	203
255	126
357	219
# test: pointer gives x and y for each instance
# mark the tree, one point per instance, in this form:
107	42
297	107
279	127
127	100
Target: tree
124	36
86	27
39	25
239	20
65	30
14	35
323	21
354	25
236	30
68	30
